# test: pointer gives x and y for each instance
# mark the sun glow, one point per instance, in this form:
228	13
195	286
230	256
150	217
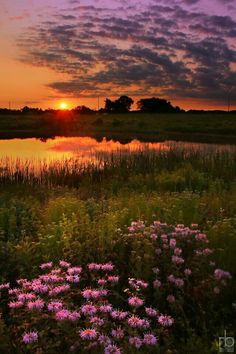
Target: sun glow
63	105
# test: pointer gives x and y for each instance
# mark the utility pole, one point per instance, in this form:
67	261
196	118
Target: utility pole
98	103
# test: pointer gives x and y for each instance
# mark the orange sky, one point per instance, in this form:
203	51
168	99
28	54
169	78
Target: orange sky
27	79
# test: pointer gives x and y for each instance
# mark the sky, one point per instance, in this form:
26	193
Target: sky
82	51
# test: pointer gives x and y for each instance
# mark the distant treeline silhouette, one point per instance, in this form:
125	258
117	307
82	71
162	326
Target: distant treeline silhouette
121	105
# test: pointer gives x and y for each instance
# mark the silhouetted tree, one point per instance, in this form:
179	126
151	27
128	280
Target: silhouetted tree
156	105
83	110
121	105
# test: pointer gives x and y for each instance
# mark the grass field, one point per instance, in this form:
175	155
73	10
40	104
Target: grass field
196	127
81	213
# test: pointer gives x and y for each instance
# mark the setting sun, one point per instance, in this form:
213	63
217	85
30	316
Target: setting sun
63	105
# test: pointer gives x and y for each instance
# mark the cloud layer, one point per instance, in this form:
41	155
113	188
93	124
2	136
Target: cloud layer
172	48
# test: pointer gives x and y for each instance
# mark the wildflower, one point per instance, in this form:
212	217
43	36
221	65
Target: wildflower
153	237
74	270
102	282
118	333
170	299
89	334
107	266
15	304
96	321
156	270
112	349
38	287
220	274
135	301
36	305
105	308
88	309
119	315
149	339
63	315
201	237
14	291
187	271
46	265
165	321
90	294
150	311
5	286
113	279
94	266
177	260
137	283
59	289
178	251
105	340
156	284
179	283
64	264
30	337
26	297
55	306
137	322
73	278
136	342
172	243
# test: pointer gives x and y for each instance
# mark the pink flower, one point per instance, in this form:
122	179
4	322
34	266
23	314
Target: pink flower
63	315
55	306
89	334
73	279
64	264
137	283
30	337
149	339
156	284
102	282
150	311
5	286
170	299
91	294
172	243
107	266
74	270
165	321
26	297
113	279
221	274
187	272
179	283
135	301
94	266
105	308
88	309
119	315
177	260
59	289
96	321
46	265
156	270
16	304
216	290
36	305
136	342
178	251
112	349
118	333
137	322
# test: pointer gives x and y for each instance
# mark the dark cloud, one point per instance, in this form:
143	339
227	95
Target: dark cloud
163	49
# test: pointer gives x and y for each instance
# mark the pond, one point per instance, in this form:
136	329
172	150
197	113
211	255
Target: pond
87	149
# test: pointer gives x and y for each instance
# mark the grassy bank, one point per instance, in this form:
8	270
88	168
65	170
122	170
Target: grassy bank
192	127
81	213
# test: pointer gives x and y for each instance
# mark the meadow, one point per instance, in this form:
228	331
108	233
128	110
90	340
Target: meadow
204	127
125	215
